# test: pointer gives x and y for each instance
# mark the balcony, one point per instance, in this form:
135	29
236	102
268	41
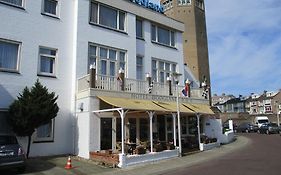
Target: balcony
139	89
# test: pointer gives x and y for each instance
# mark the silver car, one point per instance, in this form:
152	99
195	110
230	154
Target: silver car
11	153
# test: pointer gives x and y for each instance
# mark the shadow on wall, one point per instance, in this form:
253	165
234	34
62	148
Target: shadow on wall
5	98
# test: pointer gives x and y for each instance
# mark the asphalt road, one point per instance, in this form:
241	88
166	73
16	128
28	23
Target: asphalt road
261	157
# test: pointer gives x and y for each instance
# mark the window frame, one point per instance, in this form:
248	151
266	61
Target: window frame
22	6
57	15
18	56
97	23
142	32
98	58
55	58
172	35
164	71
51	138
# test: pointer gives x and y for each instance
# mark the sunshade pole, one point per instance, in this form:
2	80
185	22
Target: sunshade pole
198	128
174	126
151	132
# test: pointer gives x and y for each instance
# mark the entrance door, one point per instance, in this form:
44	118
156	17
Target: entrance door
161	128
106	133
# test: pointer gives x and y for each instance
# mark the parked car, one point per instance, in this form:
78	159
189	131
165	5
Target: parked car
247	127
269	128
11	153
226	126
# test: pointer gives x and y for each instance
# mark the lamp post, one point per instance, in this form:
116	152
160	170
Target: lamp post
122	79
176	78
92	75
169	81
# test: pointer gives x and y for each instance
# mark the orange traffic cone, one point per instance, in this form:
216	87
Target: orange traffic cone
68	164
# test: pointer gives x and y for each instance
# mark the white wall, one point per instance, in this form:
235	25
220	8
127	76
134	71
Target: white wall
32	29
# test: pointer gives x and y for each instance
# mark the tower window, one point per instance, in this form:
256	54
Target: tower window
184	2
199	4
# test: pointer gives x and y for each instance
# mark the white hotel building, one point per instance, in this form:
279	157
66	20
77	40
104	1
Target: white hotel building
56	41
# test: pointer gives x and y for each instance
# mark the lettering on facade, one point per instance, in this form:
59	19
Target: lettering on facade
150	5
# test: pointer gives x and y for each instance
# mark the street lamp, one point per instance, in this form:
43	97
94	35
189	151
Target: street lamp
176	78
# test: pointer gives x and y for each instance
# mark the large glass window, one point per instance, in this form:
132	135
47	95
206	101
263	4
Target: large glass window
107	16
139	29
47	59
107	60
162	69
45	133
162	35
50	7
9	55
139	67
18	3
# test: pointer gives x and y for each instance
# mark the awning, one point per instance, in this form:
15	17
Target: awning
199	108
172	107
133	104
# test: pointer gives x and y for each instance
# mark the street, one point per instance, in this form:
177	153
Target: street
261	156
250	154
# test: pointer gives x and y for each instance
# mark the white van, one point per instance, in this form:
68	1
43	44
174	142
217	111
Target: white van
259	120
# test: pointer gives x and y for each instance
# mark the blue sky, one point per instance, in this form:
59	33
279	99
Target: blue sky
244	39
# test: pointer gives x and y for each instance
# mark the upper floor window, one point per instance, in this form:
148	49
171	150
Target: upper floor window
184	2
162	35
50	7
107	16
139	29
17	3
9	55
107	60
47	60
162	69
199	4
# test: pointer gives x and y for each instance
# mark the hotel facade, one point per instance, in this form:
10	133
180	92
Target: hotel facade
113	65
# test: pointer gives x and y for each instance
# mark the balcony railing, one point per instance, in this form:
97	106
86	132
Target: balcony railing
108	83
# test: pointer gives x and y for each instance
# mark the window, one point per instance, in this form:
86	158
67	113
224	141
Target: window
139	68
107	60
4	126
47	60
199	4
45	133
50	7
268	109
168	4
17	3
9	55
184	2
162	35
139	29
107	16
161	70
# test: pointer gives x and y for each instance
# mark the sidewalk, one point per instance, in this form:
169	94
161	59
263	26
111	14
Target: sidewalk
55	165
186	161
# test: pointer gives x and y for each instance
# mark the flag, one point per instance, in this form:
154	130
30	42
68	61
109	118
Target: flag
185	90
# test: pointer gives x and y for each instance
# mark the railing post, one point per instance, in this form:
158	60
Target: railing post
92	76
